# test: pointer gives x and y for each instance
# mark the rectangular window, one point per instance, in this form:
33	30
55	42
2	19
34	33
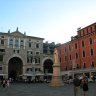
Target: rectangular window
29	44
76	55
92	53
65	58
1	58
2	42
83	53
75	45
37	53
21	43
82	44
37	45
91	29
70	57
69	48
0	68
16	43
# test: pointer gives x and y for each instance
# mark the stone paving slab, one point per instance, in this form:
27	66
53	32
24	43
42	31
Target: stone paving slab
43	89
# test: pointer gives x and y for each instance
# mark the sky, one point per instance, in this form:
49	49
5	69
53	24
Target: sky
54	20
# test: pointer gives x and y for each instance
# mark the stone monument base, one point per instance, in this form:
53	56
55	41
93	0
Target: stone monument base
56	81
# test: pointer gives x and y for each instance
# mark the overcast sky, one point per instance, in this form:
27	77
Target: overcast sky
54	20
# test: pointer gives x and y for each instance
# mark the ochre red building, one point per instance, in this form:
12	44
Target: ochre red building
80	52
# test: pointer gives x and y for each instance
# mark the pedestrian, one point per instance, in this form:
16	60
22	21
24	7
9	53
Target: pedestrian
85	85
76	83
7	83
4	83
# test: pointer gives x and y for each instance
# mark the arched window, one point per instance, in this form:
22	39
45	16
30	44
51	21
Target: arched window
92	64
83	53
76	55
90	41
75	45
83	44
84	65
91	52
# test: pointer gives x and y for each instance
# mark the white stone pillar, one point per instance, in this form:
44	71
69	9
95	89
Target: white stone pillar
24	43
19	43
14	43
8	41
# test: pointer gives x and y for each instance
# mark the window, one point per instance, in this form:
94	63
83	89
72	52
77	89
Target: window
83	32
84	65
16	43
70	57
37	53
66	68
92	52
69	48
65	58
91	29
77	66
0	68
2	36
1	57
29	59
36	60
95	27
22	43
65	49
76	55
75	45
29	52
83	53
92	64
2	42
29	44
80	33
82	43
90	40
15	51
37	45
87	30
11	43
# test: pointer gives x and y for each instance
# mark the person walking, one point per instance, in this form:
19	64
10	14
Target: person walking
4	83
76	83
7	83
85	85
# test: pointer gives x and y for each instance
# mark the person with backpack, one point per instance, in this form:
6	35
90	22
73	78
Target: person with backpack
85	85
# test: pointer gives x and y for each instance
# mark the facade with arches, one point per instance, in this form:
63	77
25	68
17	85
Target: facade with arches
21	54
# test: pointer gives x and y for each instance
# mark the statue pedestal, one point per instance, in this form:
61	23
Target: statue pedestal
56	81
56	77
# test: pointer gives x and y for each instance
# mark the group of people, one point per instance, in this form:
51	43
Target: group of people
80	83
4	83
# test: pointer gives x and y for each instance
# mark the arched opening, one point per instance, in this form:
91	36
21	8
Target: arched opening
48	68
15	68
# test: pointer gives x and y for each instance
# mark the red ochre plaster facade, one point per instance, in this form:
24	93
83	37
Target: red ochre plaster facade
80	52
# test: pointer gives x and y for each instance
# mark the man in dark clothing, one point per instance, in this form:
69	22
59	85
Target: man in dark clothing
76	83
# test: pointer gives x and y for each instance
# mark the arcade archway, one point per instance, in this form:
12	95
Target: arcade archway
15	67
48	66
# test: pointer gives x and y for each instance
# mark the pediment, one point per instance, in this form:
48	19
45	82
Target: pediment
17	34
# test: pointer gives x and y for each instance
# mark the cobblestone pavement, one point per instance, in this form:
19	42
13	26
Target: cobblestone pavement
43	89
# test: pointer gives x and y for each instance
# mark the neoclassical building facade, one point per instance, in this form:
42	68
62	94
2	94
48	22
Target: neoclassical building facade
20	54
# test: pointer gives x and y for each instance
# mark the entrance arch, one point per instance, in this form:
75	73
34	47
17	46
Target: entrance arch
15	67
48	66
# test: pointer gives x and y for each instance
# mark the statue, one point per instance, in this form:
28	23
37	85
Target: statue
56	77
56	56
